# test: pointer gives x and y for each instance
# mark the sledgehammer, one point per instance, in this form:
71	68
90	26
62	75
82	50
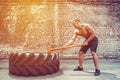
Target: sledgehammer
49	50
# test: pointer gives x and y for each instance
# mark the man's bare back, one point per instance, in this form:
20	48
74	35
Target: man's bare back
85	32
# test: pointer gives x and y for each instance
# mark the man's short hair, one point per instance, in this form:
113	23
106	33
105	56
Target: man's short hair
77	20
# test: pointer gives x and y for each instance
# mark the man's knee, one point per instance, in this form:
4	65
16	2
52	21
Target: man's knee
93	53
81	53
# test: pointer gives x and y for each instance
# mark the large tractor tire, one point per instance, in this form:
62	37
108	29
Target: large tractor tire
24	64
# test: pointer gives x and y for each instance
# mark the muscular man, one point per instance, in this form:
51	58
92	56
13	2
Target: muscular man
91	41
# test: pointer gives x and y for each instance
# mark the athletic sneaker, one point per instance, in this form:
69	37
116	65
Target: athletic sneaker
78	69
97	72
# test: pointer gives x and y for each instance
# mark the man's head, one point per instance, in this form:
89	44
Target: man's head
76	24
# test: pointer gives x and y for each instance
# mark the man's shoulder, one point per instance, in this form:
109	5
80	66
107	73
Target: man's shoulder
88	27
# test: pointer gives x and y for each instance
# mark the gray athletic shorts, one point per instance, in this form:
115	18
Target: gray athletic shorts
92	45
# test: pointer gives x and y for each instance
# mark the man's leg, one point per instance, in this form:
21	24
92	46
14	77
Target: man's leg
95	60
82	50
93	48
80	67
81	59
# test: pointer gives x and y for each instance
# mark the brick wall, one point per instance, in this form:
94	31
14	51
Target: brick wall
39	26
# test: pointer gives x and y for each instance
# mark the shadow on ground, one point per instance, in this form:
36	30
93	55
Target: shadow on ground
60	72
107	76
104	76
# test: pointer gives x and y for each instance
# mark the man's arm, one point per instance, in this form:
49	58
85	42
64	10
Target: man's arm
72	40
92	33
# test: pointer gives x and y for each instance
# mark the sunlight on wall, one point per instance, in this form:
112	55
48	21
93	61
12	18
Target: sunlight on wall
37	26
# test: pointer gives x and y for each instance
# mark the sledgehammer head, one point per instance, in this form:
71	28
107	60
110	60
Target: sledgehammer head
49	50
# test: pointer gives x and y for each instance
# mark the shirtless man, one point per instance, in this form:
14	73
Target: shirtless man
91	42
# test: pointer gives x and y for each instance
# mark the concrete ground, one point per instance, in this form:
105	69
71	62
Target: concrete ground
110	70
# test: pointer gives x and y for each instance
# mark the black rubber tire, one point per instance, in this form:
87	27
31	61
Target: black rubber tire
29	64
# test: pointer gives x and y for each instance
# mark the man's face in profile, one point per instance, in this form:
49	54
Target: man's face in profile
76	24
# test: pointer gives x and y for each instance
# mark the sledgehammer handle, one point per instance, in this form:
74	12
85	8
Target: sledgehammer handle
61	48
